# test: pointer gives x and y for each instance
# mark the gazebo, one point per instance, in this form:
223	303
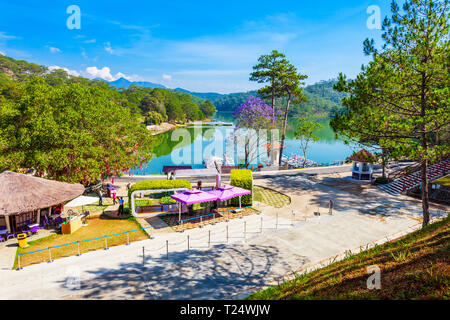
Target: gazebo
227	192
362	168
23	198
190	197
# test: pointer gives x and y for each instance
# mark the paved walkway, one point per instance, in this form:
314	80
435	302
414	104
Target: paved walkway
204	273
226	268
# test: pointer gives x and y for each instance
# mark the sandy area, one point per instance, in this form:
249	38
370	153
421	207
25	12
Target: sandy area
163	127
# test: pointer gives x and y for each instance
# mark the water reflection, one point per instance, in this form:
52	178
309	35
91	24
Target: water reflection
194	144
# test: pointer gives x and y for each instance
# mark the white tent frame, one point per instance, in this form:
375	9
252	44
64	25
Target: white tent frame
133	206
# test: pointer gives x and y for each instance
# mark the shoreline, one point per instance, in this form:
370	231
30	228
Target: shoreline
167	126
163	127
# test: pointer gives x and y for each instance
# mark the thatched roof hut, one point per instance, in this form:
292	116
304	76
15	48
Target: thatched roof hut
23	193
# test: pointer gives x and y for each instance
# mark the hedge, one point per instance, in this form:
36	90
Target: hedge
242	178
159	184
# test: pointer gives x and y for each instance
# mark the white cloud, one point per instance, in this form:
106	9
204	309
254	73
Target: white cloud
90	41
108	48
105	74
167	77
2	53
71	72
4	36
54	49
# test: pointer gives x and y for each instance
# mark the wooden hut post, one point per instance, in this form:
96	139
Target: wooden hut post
8	225
38	219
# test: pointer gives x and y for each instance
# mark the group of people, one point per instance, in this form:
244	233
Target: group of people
114	197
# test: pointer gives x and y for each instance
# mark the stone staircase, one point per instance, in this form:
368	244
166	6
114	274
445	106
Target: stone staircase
414	179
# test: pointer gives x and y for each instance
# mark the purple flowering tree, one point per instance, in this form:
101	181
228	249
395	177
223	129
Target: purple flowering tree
251	117
254	114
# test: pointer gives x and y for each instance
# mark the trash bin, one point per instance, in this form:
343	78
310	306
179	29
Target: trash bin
22	237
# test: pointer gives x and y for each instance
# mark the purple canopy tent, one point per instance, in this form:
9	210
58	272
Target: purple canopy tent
191	197
227	192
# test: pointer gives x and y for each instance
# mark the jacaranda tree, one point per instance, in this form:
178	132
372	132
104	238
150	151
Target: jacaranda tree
252	116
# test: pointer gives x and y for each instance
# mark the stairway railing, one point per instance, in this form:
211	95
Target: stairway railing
404	172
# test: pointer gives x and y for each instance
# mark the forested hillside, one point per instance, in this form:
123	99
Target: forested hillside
153	104
156	104
323	100
74	129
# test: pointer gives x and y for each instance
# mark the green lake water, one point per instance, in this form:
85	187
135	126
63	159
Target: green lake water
197	143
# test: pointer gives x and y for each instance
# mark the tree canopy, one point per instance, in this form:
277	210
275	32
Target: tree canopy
401	99
69	132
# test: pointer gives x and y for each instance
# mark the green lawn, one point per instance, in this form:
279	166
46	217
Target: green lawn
271	197
414	267
445	181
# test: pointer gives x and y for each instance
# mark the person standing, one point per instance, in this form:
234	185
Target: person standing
100	197
113	193
121	202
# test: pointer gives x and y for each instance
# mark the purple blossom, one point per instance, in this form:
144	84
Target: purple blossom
254	114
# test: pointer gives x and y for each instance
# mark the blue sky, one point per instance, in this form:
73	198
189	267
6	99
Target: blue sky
204	46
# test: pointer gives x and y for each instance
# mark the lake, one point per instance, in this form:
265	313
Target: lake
189	146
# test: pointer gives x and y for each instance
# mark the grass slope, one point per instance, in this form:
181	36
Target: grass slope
97	227
413	267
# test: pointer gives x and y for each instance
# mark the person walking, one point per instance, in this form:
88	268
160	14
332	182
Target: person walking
121	202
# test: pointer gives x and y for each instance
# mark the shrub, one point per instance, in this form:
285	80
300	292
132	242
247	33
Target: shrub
167	199
159	185
143	202
154	117
242	178
381	180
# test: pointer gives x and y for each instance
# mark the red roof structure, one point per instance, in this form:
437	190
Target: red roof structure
363	156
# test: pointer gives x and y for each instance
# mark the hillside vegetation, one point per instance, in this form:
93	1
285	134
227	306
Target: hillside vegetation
323	100
413	267
155	103
142	100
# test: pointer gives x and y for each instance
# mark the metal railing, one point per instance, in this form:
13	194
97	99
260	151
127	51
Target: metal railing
207	237
227	235
78	245
206	240
201	218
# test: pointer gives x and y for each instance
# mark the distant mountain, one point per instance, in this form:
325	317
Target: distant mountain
124	83
323	100
211	96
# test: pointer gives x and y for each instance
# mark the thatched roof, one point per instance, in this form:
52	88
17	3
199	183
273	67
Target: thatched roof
363	156
23	193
